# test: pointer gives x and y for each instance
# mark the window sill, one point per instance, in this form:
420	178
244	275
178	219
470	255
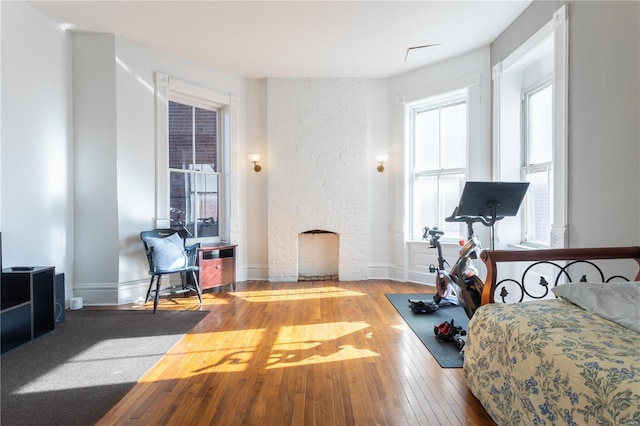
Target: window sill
526	247
444	242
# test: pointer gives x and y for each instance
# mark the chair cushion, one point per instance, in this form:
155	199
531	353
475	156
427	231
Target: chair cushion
168	253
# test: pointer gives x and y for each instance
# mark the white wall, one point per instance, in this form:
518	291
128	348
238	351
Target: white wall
95	189
381	186
256	184
604	119
36	198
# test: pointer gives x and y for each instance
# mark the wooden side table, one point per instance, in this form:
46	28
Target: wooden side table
217	264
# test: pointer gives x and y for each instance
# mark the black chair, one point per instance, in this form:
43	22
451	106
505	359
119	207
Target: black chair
168	253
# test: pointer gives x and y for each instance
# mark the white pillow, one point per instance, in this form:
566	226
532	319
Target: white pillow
168	253
615	301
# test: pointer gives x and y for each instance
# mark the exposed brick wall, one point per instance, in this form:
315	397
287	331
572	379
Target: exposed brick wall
317	157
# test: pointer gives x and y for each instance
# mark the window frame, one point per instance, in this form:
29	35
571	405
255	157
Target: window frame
438	101
172	89
194	174
527	164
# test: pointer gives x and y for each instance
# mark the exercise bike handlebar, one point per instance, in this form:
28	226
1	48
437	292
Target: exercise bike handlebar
485	220
436	233
470	220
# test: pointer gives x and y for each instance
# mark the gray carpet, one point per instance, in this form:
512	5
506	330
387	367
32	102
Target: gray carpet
446	353
75	374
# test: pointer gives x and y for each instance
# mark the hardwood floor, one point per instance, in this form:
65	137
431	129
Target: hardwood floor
308	353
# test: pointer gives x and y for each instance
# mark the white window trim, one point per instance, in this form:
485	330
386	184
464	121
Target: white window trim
170	87
447	98
558	26
405	103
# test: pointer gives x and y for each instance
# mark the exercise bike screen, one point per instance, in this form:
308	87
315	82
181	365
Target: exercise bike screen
477	196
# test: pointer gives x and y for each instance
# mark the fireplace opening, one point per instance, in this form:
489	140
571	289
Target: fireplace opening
318	255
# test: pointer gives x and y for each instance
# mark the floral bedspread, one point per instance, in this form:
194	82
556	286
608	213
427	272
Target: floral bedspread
550	362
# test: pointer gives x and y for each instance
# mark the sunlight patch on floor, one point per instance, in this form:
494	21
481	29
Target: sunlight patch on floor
239	350
219	352
316	343
294	294
402	327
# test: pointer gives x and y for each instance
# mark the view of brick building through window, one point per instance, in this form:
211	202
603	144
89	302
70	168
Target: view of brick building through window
193	167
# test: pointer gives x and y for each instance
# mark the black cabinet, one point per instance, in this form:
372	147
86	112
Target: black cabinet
28	304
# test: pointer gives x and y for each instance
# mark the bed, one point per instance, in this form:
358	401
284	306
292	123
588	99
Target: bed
560	342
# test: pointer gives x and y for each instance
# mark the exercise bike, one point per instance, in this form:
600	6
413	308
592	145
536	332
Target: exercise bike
461	286
480	202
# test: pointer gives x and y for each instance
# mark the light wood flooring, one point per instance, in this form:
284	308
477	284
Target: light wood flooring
308	353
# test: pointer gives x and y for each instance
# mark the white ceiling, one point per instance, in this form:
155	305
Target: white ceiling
316	39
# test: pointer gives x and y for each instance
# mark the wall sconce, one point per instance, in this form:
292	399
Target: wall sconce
381	159
254	158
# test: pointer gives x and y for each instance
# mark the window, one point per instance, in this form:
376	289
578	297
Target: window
530	96
193	169
537	166
438	132
195	129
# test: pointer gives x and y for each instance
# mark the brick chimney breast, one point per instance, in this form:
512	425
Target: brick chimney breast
317	176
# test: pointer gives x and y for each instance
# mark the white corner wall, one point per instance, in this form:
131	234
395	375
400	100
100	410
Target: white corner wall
256	183
96	192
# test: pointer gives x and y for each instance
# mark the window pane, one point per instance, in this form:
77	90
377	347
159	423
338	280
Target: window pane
181	201
450	191
435	198
425	205
454	136
540	126
426	144
439	159
538	205
206	140
180	136
208	205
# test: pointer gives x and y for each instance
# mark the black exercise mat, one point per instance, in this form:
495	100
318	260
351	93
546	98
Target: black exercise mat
446	353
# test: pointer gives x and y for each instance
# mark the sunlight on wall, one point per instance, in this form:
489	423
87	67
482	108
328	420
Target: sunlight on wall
139	79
